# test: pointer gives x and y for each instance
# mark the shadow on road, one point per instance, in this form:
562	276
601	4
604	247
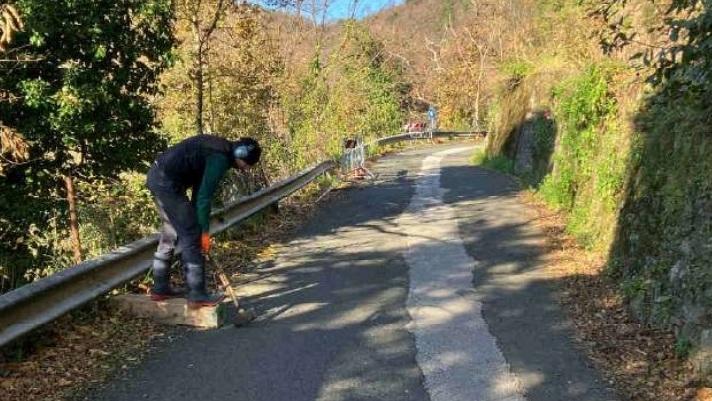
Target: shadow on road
333	322
519	301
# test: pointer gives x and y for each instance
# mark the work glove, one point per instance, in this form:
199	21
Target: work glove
205	243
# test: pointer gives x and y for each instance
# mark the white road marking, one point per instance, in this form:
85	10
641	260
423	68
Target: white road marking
458	355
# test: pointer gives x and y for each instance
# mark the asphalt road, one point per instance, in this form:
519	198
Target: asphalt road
425	284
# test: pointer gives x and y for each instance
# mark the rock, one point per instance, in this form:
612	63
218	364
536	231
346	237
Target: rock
702	355
524	158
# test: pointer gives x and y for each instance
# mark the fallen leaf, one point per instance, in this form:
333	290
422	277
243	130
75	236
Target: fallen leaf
62	382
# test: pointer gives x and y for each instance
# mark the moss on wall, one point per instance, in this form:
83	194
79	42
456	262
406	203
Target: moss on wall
632	169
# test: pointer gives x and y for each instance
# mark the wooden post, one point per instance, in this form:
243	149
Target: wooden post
172	311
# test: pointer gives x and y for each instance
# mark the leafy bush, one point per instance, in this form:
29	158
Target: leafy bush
77	94
516	69
499	163
589	166
115	212
356	93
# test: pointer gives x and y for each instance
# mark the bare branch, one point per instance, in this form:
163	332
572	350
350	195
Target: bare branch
436	54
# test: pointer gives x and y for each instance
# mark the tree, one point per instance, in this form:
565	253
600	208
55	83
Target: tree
675	49
359	92
75	87
461	85
370	80
241	63
202	16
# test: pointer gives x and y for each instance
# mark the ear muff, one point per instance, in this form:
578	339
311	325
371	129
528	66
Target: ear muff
242	151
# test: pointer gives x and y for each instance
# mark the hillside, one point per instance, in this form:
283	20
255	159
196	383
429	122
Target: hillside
452	51
415	32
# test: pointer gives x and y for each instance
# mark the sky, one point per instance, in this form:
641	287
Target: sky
342	8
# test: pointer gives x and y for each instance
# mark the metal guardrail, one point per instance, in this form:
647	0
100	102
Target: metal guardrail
42	301
355	157
429	135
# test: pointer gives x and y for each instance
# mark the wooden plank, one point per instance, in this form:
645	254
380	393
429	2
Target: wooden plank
172	311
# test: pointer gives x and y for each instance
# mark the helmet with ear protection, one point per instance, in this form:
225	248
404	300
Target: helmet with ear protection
247	150
241	151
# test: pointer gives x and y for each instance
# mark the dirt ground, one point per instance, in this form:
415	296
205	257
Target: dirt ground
96	342
639	360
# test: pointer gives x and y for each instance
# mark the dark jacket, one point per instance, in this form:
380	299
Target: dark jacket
199	163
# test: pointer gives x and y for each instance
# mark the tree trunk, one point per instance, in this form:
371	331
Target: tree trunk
199	81
73	220
201	41
210	124
199	86
480	77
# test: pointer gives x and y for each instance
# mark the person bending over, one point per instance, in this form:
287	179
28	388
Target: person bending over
197	163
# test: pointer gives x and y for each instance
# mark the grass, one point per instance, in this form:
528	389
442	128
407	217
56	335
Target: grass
499	162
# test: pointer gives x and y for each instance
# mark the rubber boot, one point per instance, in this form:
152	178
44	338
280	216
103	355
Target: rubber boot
162	289
198	295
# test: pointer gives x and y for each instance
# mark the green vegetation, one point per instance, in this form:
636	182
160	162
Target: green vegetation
356	92
665	231
499	162
627	154
75	97
82	116
516	69
580	149
590	171
683	347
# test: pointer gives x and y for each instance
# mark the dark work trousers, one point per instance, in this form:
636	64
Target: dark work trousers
178	217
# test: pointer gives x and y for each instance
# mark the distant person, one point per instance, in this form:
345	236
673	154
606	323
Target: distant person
433	117
198	163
